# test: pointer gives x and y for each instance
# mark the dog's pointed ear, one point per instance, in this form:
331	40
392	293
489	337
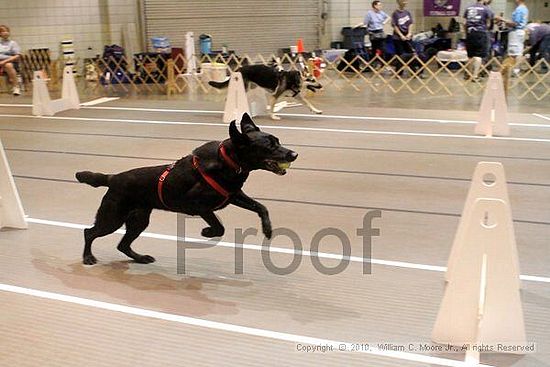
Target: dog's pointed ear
236	137
247	125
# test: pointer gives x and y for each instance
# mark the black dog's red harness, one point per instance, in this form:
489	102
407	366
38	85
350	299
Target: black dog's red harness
209	180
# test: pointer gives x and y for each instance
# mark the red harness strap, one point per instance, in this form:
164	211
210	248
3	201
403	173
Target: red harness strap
216	186
209	180
161	182
229	160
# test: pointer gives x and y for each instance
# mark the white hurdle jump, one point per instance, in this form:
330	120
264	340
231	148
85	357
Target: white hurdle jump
43	105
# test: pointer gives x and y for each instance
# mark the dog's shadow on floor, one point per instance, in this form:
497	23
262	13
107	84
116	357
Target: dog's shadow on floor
147	288
154	287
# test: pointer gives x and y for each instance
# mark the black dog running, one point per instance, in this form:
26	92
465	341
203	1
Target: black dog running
207	180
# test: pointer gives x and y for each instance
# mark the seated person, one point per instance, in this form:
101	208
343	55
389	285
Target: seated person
9	54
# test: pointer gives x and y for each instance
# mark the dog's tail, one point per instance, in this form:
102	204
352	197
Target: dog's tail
219	85
93	179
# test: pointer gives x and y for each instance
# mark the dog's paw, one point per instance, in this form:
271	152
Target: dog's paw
275	117
144	259
212	232
318	112
89	260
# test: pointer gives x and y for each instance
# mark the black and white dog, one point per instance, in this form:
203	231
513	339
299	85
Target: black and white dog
277	82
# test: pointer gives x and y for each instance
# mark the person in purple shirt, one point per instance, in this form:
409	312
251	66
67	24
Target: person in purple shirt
402	23
478	18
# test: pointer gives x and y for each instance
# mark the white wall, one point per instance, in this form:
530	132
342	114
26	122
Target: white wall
95	23
89	23
537	11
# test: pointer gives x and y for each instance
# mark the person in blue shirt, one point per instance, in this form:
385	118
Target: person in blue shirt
516	37
374	21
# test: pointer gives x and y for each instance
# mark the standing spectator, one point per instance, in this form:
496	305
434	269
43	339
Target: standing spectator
516	37
374	21
490	33
478	19
539	38
9	54
402	22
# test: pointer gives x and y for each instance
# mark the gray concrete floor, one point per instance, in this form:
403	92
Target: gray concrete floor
418	181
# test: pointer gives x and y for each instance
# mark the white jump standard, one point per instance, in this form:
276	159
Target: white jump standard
43	105
482	305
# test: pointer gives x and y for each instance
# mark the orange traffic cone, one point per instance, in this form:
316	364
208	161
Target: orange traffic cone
300	45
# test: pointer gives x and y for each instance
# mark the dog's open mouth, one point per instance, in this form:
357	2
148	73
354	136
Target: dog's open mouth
277	167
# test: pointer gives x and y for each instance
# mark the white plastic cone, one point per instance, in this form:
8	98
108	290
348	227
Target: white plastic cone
69	94
41	102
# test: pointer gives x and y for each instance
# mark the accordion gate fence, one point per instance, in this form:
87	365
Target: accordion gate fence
415	76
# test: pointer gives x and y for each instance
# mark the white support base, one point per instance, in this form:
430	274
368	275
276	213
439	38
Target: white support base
493	112
11	210
43	105
482	304
236	103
